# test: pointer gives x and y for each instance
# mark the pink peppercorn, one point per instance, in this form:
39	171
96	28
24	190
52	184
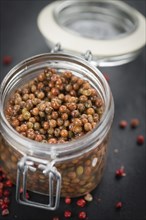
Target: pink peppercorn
140	139
67	214
120	172
123	124
119	205
82	215
68	200
6	200
134	123
5	185
4	206
81	202
9	183
6	193
7	60
5	212
55	218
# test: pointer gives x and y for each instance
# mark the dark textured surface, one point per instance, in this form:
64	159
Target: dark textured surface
21	39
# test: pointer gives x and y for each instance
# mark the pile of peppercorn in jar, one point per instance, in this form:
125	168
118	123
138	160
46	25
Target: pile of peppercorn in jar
54	107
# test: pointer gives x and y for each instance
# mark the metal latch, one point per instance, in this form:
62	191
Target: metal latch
48	169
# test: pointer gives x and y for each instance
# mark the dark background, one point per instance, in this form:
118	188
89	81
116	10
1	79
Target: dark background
20	38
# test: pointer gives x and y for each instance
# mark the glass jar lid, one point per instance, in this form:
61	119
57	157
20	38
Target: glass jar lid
112	30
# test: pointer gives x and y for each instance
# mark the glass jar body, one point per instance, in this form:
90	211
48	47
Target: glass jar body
80	175
80	162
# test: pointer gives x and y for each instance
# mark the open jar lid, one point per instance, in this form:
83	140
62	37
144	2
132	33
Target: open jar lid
112	30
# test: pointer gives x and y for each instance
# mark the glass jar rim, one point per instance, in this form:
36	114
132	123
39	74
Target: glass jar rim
76	144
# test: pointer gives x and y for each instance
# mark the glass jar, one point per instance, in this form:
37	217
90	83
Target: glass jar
69	169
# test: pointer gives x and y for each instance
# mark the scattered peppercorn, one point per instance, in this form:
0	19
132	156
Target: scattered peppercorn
68	200
88	197
134	123
56	218
7	60
6	200
67	214
140	139
5	212
82	215
119	205
8	183
123	124
4	206
120	172
81	202
5	191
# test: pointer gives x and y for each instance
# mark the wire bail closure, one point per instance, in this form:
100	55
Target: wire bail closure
57	48
87	56
48	169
